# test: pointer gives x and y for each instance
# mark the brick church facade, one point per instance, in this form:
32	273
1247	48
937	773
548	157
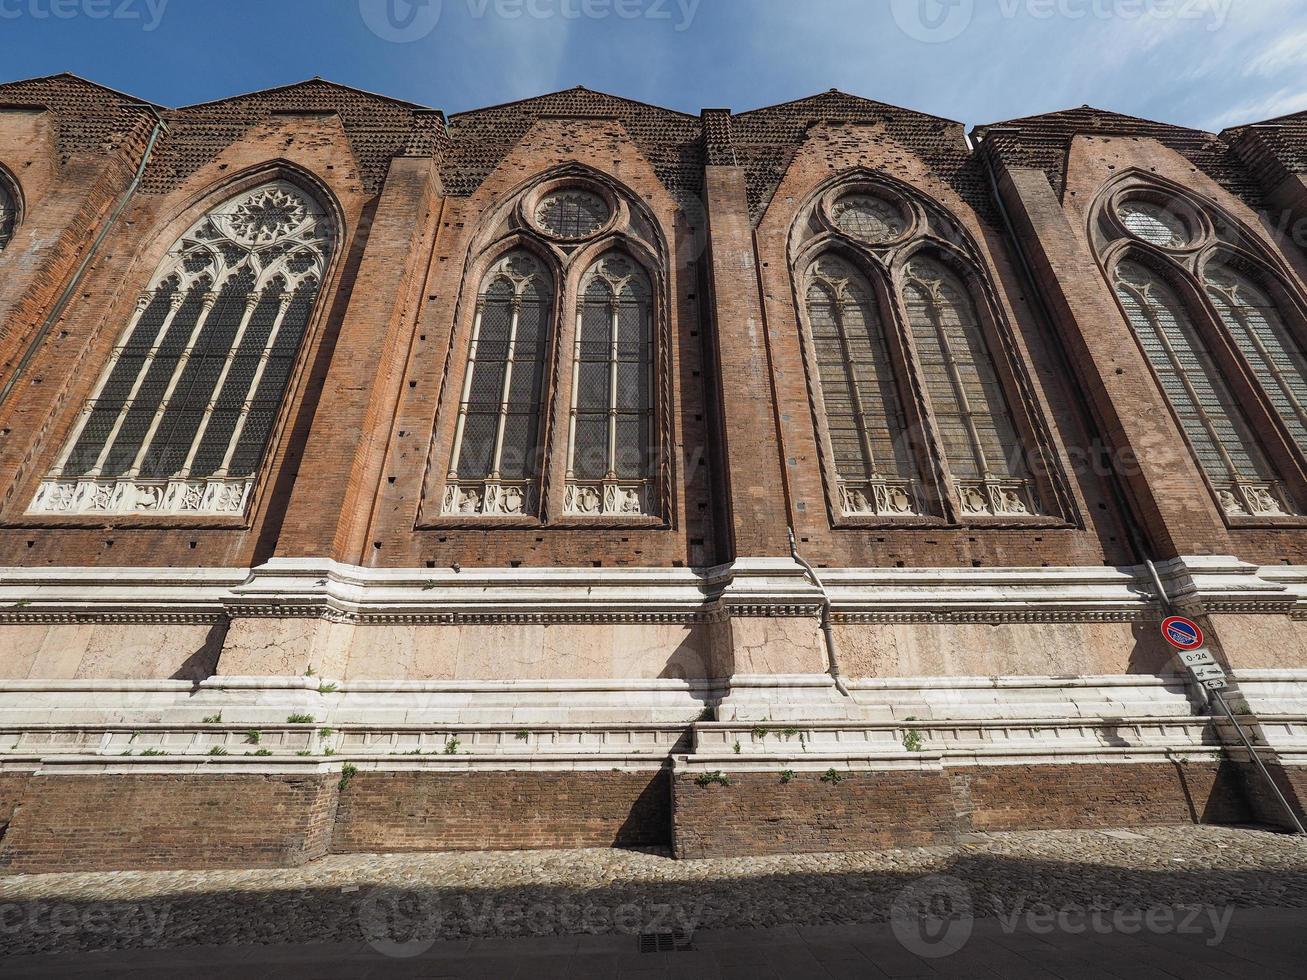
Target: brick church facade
578	472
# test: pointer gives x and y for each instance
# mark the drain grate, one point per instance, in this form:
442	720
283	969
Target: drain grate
675	941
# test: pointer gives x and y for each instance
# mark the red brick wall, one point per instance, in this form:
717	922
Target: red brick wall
116	821
430	811
759	814
1072	796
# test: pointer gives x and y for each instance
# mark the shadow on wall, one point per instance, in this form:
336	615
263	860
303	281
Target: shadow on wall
204	662
1149	654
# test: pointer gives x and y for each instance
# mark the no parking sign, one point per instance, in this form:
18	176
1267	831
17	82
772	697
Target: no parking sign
1181	633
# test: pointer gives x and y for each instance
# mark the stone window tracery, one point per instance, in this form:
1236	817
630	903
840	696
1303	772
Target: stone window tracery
967	401
869	218
8	212
611	428
572	213
1268	345
1155	223
1243	478
180	419
864	412
495	465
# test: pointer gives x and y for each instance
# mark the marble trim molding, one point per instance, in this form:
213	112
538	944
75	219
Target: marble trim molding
750	587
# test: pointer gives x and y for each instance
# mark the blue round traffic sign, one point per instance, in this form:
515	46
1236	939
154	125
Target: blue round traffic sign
1183	634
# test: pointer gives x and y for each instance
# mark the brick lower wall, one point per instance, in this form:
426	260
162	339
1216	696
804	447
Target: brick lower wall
758	814
12	787
1001	798
89	822
1292	782
421	811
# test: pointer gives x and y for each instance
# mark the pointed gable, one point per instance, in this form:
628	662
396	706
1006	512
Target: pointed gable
480	138
766	139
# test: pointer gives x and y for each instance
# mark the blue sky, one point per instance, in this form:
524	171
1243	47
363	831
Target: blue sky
1202	63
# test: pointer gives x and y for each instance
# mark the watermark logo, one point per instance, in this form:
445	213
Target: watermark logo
398	923
148	13
933	21
405	21
401	21
933	917
940	21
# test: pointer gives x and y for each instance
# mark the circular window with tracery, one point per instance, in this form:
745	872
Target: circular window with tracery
869	218
1155	223
572	213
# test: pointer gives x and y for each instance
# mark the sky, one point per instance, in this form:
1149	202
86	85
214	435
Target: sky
1201	63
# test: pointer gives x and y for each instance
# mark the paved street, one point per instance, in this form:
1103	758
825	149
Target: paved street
1177	902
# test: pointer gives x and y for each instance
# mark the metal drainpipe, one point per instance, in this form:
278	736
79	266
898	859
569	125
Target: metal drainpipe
57	310
1135	532
832	654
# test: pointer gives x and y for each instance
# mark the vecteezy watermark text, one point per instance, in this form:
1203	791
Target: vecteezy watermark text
403	21
144	919
938	21
934	917
148	12
403	923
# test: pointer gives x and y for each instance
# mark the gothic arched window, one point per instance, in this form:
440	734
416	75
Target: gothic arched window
1268	345
180	419
1242	476
967	401
611	446
864	411
495	465
8	212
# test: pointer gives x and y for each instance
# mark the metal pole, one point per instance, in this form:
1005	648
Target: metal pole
1166	602
1258	759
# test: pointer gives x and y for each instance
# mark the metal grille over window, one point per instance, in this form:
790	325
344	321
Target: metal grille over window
611	451
971	411
1155	224
495	466
1244	480
180	420
1267	344
572	213
8	214
864	412
871	219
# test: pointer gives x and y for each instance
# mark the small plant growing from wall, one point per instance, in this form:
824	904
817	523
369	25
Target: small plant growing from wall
252	737
212	719
711	778
217	750
347	772
759	732
451	747
326	688
787	775
832	776
736	748
298	719
523	735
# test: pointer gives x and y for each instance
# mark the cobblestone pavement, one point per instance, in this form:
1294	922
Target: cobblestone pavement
388	901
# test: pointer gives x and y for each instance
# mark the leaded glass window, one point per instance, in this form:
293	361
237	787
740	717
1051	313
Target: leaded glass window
869	218
611	444
8	213
1155	224
572	213
1267	344
967	401
1221	437
179	421
496	462
864	412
